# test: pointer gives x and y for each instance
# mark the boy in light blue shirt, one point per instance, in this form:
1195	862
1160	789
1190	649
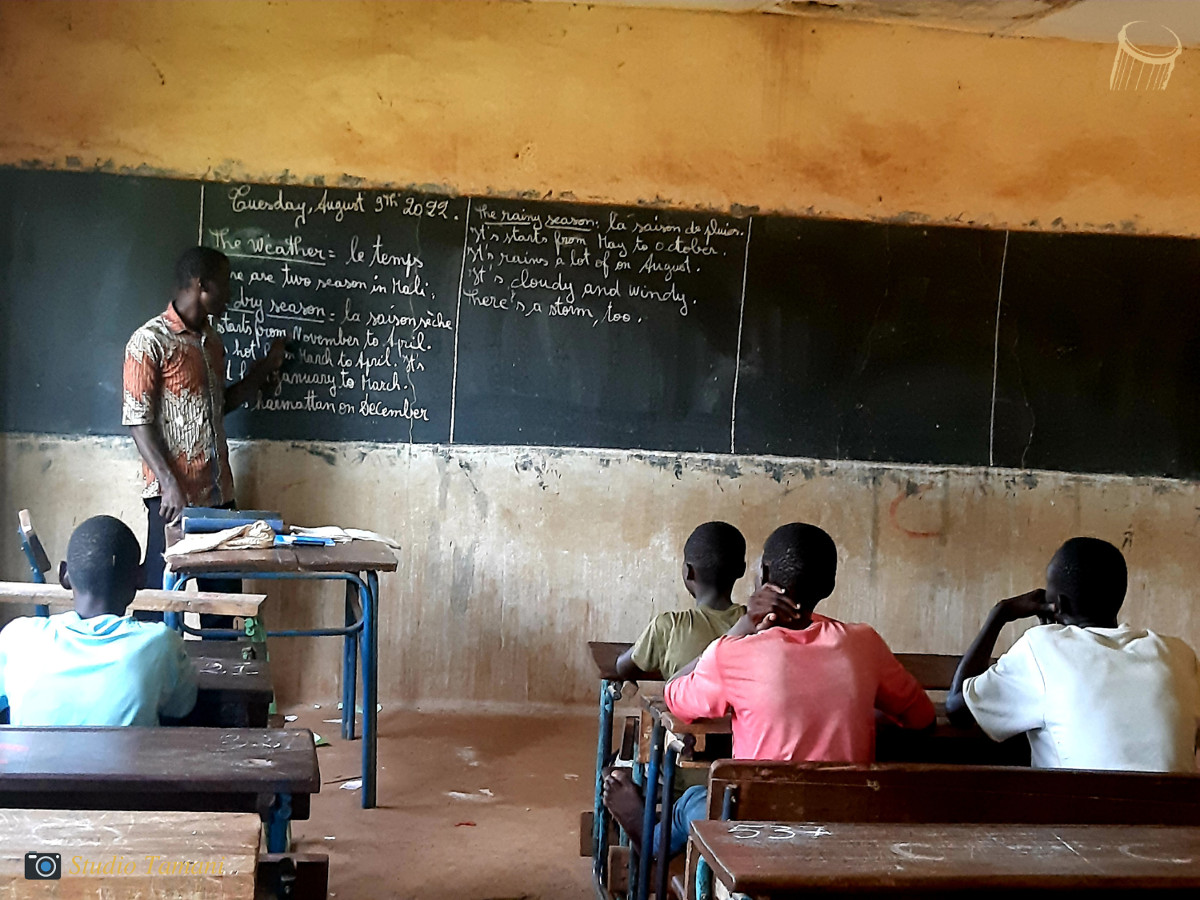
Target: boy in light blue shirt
94	665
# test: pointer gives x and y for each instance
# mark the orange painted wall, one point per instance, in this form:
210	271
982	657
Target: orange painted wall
628	105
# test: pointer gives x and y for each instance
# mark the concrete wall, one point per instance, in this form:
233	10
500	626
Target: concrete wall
515	556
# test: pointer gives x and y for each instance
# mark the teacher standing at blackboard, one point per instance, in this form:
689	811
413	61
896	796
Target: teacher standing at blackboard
175	400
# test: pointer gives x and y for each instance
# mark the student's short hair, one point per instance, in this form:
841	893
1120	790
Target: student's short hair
717	553
103	558
198	262
1093	574
801	559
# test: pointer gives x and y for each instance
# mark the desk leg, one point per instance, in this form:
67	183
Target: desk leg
609	692
277	825
647	851
172	582
704	875
704	880
670	756
639	778
349	667
370	666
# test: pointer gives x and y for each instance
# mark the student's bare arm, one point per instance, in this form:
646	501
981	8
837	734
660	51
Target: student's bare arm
150	445
978	656
631	671
256	376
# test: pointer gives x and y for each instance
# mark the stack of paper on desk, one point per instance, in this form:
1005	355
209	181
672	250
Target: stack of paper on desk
341	535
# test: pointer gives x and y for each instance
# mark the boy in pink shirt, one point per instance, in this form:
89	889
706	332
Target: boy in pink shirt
800	686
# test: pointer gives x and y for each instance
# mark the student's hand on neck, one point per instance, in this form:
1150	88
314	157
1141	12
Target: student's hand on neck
770	607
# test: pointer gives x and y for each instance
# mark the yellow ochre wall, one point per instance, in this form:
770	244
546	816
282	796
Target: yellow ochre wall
513	557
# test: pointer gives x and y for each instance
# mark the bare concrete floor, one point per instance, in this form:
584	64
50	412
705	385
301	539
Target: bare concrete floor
471	807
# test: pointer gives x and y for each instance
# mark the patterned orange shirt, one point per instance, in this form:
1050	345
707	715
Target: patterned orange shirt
175	380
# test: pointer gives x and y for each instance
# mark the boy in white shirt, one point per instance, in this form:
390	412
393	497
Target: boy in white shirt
94	665
1089	693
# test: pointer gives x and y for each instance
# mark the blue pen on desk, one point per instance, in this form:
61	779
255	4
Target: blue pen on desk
303	540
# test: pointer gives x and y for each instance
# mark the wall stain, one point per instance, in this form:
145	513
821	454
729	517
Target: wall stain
462	580
321	452
911	489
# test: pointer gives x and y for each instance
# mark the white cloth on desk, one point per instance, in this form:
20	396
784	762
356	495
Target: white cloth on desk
253	536
1094	698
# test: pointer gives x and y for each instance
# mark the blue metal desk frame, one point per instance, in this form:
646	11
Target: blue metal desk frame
610	693
361	634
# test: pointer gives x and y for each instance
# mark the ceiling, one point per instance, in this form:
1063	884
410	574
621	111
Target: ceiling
1094	21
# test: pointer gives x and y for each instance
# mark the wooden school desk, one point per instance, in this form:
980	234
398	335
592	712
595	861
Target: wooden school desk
787	861
232	691
121	855
271	772
358	563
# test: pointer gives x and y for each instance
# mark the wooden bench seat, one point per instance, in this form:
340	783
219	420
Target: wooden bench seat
244	605
832	792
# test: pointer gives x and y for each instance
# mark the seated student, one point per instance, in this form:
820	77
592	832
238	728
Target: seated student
1089	693
800	686
714	558
94	666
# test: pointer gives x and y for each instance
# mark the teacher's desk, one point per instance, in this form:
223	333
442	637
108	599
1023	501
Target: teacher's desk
358	564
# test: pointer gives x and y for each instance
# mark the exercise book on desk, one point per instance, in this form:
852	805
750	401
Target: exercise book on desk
205	520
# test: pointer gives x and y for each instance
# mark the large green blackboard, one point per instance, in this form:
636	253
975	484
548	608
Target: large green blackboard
496	321
84	260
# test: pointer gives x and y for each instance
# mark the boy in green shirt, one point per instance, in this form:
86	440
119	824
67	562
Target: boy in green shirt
714	558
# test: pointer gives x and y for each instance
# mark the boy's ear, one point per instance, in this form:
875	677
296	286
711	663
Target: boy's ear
63	578
741	570
689	571
766	573
1063	605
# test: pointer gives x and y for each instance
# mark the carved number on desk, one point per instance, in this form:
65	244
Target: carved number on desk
748	832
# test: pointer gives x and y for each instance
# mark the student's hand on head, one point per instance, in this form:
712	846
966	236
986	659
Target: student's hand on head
1024	606
769	606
